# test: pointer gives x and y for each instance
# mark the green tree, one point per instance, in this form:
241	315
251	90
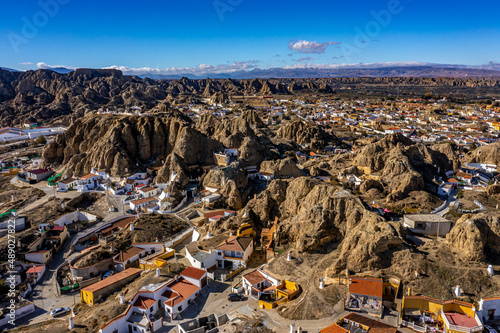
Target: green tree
41	140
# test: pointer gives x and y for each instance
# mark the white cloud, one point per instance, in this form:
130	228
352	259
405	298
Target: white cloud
43	65
27	63
306	46
197	70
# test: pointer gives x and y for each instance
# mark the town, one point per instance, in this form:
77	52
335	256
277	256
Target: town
200	248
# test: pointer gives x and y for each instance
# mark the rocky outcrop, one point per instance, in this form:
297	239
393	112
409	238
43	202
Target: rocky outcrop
281	168
489	154
123	144
301	132
476	237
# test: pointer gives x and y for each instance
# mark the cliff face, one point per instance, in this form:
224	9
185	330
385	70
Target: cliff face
313	213
122	144
476	237
301	132
485	154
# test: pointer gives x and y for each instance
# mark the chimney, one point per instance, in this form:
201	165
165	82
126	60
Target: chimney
71	323
321	283
458	291
158	272
122	299
131	226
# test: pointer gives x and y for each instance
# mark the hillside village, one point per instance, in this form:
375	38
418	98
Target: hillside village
294	214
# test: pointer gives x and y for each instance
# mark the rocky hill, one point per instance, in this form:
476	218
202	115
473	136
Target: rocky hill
44	95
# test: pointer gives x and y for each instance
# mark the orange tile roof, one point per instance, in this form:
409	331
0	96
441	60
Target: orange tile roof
141	201
183	288
87	176
147	189
254	277
334	329
235	243
144	302
112	279
366	286
128	253
193	272
374	325
35	269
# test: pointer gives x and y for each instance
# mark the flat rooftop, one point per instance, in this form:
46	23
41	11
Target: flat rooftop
426	218
460	319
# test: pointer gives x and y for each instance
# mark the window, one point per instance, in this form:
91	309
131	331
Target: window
420	225
179	308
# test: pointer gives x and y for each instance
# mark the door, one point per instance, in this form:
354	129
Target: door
129	328
491	314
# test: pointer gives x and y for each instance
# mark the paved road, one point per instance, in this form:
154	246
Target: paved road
43	295
452	197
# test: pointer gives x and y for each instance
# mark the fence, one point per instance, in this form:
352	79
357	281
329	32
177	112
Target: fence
413	326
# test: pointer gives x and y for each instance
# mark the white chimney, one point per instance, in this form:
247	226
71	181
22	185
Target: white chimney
158	272
458	291
157	241
292	328
131	226
71	324
491	272
122	299
112	248
209	235
321	283
288	257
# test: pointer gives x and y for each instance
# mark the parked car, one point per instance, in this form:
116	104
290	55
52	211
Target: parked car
108	274
490	329
62	190
130	211
59	312
235	297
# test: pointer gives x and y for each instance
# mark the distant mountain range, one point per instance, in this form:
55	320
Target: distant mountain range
389	69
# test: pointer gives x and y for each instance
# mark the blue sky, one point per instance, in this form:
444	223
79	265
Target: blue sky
242	34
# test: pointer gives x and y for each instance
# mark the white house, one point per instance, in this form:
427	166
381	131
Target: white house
392	130
88	182
200	259
256	281
67	184
234	252
267	176
36	272
148	191
173	297
40	257
139	203
489	309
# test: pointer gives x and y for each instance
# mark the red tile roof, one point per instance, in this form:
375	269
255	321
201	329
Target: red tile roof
460	319
88	176
144	302
35	269
193	272
235	243
254	277
334	329
182	288
112	279
374	325
366	286
128	253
